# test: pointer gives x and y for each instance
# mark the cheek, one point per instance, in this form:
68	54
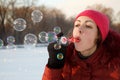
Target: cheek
90	41
75	32
89	38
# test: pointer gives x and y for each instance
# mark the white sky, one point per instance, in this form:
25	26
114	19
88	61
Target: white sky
73	7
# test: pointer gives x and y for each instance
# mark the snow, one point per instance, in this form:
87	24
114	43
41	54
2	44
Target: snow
23	63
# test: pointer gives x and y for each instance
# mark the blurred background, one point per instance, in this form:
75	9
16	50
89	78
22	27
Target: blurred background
54	13
27	26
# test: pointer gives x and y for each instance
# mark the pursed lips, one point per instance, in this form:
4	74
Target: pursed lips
73	39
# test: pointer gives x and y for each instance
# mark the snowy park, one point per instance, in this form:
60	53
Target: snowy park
28	26
23	63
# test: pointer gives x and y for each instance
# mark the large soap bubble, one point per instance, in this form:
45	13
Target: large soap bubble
19	24
36	16
30	39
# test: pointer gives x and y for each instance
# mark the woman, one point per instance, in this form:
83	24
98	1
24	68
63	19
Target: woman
93	54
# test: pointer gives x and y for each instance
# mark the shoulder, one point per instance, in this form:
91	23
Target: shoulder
112	43
111	47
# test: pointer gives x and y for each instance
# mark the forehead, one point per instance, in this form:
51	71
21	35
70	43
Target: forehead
85	19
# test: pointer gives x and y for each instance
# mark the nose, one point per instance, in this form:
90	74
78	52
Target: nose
81	30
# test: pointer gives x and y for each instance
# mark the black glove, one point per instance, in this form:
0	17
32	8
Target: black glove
56	56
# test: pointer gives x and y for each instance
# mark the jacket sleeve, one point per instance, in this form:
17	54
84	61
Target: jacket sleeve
52	74
59	74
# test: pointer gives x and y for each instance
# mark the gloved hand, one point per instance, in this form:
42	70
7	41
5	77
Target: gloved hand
56	56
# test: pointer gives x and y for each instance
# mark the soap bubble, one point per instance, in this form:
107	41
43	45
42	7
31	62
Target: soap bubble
36	16
19	24
51	37
10	39
1	43
42	36
57	30
30	39
60	56
63	40
57	46
11	46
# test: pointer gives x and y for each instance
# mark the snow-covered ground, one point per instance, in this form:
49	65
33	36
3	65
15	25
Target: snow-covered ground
23	63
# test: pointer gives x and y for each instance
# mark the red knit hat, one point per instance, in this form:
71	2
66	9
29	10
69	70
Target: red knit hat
100	19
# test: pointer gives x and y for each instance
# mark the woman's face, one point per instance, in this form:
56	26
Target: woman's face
86	31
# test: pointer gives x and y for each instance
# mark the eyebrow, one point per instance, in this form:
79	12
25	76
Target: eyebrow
85	21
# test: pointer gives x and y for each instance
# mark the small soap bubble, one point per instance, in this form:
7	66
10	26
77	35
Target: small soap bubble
11	46
60	56
42	36
57	30
1	43
57	46
10	39
51	37
63	40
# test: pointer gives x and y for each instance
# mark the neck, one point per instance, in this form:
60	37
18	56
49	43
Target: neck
81	56
89	51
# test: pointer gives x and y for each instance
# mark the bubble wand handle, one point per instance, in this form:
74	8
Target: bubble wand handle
58	44
72	39
65	41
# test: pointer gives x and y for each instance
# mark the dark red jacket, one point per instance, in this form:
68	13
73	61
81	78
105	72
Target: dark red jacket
104	64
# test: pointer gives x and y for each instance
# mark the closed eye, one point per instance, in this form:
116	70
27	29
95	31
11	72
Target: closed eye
87	26
77	25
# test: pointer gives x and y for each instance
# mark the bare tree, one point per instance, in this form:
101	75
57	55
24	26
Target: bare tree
5	16
51	17
118	17
9	11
